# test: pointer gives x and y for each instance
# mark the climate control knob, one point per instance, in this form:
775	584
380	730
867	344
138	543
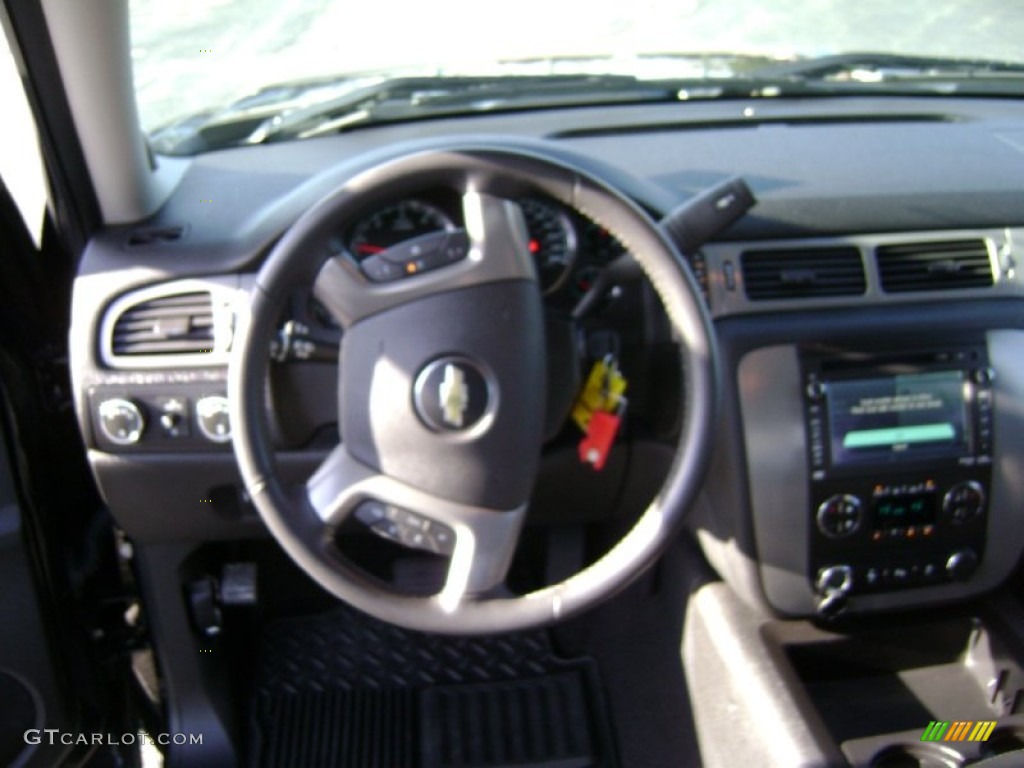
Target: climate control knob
964	501
121	421
840	516
212	418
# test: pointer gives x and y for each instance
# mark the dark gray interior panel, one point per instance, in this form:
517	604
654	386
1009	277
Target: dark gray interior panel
745	696
878	686
188	497
773	428
31	694
852	694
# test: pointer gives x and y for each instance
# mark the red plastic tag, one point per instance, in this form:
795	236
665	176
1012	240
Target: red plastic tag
597	443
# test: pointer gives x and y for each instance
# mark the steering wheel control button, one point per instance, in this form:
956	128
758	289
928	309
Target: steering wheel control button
840	516
421	254
406	528
455	248
212	418
380	270
964	501
121	421
453	394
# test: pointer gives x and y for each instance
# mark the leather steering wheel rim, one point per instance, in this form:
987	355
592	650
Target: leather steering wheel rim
303	518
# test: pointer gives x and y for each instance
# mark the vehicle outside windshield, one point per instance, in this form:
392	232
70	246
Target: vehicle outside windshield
203	63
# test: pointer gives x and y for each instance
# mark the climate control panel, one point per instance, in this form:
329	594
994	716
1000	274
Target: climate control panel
907	532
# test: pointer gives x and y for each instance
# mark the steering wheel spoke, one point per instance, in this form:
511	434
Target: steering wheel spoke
492	248
478	541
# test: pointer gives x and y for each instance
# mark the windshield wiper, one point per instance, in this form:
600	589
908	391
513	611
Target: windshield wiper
422	97
870	67
328	105
287	112
259	121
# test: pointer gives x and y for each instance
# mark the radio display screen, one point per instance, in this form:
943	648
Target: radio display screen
892	418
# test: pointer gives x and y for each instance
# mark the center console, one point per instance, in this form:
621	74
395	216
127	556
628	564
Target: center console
931	689
899	458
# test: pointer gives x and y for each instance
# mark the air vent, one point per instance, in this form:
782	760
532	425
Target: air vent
937	266
795	273
155	235
181	324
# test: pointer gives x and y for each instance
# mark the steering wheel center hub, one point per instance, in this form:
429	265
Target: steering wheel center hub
455	394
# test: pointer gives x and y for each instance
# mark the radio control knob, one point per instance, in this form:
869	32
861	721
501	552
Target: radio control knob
213	419
840	516
964	501
984	376
121	421
962	564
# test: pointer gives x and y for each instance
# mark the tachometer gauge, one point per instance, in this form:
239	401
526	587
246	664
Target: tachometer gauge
553	242
600	245
395	224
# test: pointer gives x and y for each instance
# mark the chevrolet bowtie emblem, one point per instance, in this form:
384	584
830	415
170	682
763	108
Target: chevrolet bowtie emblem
454	395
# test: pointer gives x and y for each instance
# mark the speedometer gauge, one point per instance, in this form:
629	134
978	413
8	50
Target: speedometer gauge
553	242
395	224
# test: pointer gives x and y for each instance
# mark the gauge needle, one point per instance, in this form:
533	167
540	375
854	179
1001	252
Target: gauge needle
369	249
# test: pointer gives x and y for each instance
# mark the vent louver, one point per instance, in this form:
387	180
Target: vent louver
169	325
803	273
155	235
937	266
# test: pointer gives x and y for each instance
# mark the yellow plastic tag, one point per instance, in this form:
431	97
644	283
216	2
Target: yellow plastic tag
602	391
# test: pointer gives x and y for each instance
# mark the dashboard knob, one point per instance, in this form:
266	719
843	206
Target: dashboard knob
984	376
840	516
834	580
962	564
213	419
815	389
833	586
964	501
121	421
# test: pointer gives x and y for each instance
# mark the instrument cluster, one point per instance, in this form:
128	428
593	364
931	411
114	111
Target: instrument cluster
568	249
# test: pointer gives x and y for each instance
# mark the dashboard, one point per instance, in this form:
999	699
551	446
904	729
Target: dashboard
869	311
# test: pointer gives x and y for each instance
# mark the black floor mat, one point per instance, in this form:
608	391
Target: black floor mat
343	689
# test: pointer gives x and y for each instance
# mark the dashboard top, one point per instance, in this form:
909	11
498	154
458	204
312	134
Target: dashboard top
827	166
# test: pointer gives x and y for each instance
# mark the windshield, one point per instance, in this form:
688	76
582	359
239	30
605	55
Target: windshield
216	59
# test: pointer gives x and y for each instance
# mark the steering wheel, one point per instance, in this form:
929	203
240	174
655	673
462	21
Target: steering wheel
442	388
